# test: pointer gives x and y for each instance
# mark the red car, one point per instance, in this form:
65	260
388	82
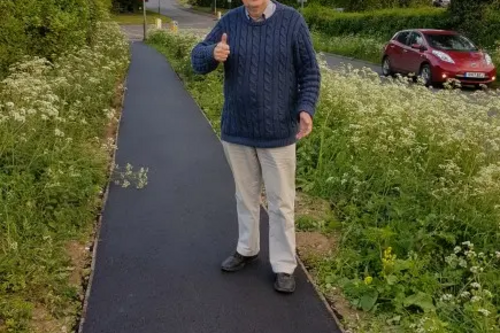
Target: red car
436	56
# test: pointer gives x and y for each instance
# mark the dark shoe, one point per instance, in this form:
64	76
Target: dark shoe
236	262
285	283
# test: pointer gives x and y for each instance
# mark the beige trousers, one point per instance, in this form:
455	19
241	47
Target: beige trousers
275	168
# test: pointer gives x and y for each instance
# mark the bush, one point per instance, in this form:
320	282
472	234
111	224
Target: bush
478	19
414	176
46	28
53	164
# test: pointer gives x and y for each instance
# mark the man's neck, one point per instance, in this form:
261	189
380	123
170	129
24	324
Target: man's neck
256	12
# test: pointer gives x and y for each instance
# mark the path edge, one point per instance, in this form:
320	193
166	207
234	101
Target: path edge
98	224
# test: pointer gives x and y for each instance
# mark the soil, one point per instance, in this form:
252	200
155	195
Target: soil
44	322
78	255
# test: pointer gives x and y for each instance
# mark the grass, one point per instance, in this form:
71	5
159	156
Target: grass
56	126
413	179
362	48
137	18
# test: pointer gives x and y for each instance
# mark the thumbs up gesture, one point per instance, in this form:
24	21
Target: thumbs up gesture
221	51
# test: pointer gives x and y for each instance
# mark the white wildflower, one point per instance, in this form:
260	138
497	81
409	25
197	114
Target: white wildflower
475	299
465	294
446	298
484	312
468	244
58	132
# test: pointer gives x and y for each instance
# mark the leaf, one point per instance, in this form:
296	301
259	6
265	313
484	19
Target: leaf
368	300
420	299
391	279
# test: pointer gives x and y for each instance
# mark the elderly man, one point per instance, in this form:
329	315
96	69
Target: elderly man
271	87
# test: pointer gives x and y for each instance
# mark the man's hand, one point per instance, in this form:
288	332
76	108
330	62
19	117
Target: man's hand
306	125
221	51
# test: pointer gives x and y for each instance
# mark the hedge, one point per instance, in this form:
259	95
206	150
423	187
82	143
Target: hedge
384	23
46	27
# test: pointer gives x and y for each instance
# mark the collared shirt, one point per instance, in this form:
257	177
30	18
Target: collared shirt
271	7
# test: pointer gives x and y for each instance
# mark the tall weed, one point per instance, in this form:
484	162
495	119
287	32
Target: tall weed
53	165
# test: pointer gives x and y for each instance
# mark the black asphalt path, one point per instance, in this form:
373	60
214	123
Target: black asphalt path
160	248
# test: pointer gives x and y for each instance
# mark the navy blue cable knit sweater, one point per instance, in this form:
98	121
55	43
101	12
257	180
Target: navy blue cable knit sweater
271	75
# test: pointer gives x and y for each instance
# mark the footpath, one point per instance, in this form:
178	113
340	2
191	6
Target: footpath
158	259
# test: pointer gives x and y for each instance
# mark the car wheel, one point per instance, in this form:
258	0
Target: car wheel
386	67
426	74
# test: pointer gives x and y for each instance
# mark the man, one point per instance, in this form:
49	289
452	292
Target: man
271	87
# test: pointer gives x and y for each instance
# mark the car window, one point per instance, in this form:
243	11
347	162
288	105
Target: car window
415	38
402	37
450	42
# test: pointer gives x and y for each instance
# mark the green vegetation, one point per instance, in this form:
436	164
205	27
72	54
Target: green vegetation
363	48
54	159
46	28
137	18
381	23
414	179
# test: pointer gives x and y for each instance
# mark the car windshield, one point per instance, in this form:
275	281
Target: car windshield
450	42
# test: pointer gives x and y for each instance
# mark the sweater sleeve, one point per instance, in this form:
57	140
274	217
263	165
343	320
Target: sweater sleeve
202	55
307	69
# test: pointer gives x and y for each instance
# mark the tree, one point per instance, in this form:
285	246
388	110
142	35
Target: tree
479	18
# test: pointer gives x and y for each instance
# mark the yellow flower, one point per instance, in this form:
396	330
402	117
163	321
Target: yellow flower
368	280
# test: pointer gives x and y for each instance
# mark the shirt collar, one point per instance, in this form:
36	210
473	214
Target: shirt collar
271	6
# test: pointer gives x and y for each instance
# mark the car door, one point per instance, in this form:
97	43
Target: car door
412	57
397	47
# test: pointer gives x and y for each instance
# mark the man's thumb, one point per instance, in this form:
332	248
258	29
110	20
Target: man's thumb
224	38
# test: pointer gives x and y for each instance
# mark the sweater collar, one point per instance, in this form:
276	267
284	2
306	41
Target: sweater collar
268	12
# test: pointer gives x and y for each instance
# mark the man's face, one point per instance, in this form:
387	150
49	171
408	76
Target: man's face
255	3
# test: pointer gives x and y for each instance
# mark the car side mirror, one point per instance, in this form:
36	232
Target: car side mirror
419	47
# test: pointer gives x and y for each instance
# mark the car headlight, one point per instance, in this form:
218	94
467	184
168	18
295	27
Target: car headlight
487	59
443	56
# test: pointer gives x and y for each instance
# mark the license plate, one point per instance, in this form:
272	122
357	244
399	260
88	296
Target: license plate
475	75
